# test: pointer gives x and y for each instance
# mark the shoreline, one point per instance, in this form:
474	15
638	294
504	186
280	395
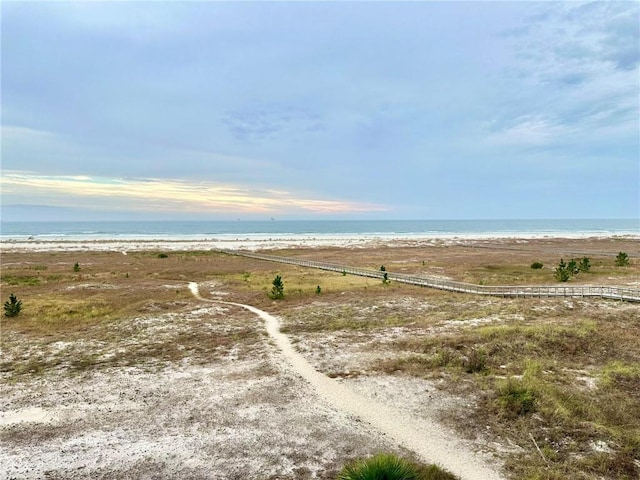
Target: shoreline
255	242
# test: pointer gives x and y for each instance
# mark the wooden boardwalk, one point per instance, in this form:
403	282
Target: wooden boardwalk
524	291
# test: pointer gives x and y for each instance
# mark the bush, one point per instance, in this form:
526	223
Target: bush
13	306
163	255
572	266
537	265
445	357
622	259
475	362
562	273
277	291
434	472
515	398
382	269
391	467
585	264
76	267
318	290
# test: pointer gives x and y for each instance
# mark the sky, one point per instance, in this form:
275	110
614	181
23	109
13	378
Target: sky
320	110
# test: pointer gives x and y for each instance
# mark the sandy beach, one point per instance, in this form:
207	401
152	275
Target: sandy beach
169	360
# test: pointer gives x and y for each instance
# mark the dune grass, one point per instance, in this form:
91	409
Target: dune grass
557	375
574	388
391	467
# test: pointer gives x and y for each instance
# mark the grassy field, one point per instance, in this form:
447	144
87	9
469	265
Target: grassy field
551	386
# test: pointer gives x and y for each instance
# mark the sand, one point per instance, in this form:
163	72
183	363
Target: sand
432	442
264	408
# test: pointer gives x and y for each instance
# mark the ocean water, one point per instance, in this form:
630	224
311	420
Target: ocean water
194	230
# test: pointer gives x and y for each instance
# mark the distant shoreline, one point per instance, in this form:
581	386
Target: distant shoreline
261	235
284	241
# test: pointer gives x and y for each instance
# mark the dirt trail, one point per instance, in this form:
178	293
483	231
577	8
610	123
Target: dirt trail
426	438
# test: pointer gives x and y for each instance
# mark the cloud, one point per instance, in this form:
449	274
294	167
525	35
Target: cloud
577	43
12	133
255	123
573	80
362	104
530	131
156	195
571	35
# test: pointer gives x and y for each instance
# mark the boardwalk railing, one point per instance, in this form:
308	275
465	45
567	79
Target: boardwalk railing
616	293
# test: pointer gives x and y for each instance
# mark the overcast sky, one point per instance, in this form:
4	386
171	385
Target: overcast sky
322	110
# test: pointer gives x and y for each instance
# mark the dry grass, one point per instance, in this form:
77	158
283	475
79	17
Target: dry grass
562	371
530	379
504	262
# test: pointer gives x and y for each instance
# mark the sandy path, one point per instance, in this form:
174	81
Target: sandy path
426	438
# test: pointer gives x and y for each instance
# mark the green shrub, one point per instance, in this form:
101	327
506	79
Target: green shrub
572	266
318	290
13	306
585	264
537	265
515	398
434	472
445	357
380	467
562	273
622	259
382	269
163	255
277	291
390	467
76	267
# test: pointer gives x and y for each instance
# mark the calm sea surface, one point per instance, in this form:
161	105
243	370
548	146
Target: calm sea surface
409	228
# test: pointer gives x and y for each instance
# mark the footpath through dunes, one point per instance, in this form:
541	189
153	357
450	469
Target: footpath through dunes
428	439
536	291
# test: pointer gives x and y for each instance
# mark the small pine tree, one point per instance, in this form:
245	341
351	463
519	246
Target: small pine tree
277	292
385	278
562	272
76	267
572	267
13	306
585	264
318	290
622	259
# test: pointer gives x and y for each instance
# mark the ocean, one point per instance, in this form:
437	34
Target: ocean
197	230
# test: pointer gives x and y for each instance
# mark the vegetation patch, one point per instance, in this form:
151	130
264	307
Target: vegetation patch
559	378
391	467
622	376
12	306
20	280
515	398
